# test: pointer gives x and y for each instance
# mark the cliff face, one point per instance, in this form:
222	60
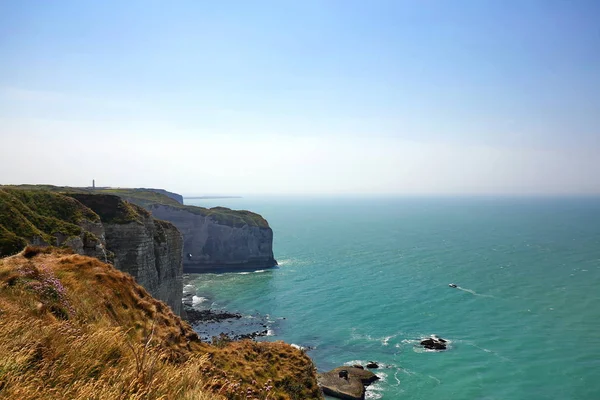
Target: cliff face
101	226
148	249
213	237
214	240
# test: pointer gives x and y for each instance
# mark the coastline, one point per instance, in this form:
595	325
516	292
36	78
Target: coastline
250	266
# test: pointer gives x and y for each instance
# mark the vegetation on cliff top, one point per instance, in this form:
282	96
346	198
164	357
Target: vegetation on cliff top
226	216
30	214
27	214
222	215
74	327
148	198
111	209
143	197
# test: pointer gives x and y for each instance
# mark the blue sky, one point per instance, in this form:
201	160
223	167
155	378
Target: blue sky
409	97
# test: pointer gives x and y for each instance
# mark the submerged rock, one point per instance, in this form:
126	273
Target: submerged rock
372	365
346	382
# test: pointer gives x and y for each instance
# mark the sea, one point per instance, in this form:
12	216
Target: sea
366	278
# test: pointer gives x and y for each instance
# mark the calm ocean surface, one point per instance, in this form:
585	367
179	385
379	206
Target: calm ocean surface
365	278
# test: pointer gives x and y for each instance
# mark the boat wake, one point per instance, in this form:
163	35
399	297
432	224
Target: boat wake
474	293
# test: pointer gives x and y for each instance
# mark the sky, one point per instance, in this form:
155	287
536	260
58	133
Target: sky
303	97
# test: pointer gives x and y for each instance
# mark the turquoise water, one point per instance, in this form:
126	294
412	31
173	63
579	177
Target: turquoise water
363	279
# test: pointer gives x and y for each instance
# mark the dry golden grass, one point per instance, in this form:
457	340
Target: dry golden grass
72	327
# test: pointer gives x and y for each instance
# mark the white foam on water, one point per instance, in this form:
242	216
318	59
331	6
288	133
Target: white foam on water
372	394
243	273
382	377
374	390
189	289
474	293
260	270
198	300
355	362
385	340
396	377
270	332
488	351
407	341
297	346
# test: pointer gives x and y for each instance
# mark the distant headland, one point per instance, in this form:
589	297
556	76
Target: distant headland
211	197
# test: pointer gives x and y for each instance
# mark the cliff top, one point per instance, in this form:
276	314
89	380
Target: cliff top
74	327
222	215
111	208
229	217
143	197
28	212
150	197
25	214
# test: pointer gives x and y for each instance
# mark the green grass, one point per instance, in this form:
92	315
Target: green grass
111	209
222	215
55	205
28	214
143	197
226	216
9	242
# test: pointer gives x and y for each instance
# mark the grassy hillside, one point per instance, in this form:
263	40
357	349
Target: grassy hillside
47	214
74	327
143	197
25	214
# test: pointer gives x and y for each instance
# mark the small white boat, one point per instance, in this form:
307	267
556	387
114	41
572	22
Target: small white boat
452	285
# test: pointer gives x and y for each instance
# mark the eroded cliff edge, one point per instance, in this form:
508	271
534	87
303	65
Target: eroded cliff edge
103	226
146	248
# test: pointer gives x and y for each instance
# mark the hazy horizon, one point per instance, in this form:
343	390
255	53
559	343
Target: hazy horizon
314	97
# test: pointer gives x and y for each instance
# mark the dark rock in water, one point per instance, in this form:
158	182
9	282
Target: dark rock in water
211	323
438	346
358	366
346	382
372	365
252	335
194	315
434	343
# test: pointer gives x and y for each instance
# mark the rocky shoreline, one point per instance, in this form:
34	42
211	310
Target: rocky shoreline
210	324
